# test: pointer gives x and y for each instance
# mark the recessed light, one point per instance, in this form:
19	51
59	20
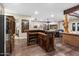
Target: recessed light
36	12
52	15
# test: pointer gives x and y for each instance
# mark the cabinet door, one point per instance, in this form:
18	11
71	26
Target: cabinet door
11	30
12	44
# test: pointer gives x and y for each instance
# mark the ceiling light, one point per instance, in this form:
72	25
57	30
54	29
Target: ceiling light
52	15
36	12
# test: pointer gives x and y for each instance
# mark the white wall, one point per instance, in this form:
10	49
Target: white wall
61	26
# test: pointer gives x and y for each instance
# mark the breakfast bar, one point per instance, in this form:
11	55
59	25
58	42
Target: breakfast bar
71	39
45	39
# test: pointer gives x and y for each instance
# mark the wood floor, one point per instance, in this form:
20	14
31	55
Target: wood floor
21	49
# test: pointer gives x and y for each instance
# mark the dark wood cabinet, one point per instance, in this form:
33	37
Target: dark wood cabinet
44	39
31	38
10	30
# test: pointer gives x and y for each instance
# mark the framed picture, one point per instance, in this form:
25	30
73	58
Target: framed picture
73	26
53	27
77	26
25	25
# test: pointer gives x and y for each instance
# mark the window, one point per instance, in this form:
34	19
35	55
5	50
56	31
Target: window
77	26
73	27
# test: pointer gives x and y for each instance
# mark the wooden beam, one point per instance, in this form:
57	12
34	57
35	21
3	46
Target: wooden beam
70	10
74	14
66	24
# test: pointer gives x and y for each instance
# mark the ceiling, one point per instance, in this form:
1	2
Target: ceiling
44	9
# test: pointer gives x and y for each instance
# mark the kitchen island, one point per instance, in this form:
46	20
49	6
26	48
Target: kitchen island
45	39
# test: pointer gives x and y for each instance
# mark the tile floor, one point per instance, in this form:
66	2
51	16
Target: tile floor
21	49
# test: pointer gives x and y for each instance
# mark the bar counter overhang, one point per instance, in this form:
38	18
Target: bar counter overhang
44	38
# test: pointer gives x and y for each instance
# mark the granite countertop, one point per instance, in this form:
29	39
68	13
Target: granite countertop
44	31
